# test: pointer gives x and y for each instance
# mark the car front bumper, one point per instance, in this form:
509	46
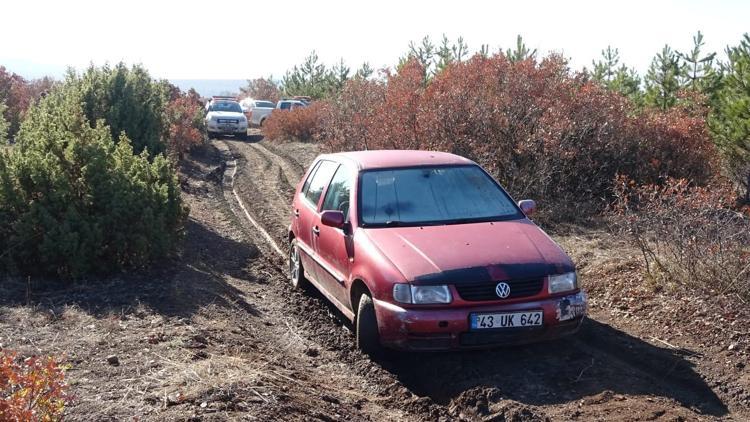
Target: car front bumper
449	327
227	130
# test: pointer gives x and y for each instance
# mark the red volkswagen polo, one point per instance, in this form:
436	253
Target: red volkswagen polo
426	251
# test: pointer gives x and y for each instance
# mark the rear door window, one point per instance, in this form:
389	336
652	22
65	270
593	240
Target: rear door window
309	178
319	181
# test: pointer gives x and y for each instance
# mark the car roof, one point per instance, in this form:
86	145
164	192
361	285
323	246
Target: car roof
366	160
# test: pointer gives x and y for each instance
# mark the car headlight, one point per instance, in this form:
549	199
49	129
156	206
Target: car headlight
562	282
421	295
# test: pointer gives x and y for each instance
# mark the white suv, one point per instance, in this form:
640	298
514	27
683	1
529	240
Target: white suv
225	117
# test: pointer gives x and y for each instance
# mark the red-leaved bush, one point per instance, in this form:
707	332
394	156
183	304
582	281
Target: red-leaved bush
544	132
32	389
300	124
184	117
687	235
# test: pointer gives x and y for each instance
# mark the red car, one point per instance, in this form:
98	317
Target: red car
426	251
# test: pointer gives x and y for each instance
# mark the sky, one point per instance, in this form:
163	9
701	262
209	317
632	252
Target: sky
247	39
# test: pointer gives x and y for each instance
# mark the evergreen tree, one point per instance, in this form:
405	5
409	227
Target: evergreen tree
127	99
449	53
73	202
521	52
364	72
606	69
697	68
338	76
730	118
627	82
615	76
699	73
310	79
3	125
484	50
662	79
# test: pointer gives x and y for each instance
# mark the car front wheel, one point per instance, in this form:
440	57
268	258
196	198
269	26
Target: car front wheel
368	337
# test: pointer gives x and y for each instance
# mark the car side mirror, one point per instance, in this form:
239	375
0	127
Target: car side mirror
528	206
333	218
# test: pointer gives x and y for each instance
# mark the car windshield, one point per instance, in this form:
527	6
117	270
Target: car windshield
267	104
431	196
225	106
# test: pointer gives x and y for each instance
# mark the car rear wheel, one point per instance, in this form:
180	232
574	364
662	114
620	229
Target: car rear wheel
296	272
366	326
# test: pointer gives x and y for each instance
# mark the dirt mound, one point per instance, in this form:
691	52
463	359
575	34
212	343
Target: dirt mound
488	404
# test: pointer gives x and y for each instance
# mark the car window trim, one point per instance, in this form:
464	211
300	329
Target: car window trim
517	216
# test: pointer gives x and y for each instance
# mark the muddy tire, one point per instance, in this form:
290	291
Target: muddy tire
296	272
368	337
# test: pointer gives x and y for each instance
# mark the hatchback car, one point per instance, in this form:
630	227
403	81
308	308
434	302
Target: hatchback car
426	251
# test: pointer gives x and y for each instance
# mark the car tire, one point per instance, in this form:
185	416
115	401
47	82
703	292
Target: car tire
366	327
296	271
261	122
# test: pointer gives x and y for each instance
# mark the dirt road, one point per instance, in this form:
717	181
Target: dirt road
218	334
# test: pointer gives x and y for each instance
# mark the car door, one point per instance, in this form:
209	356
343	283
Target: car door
306	213
333	245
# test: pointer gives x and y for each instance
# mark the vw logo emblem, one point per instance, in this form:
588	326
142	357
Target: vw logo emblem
502	290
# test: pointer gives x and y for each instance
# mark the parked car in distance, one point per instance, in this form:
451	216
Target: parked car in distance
257	111
225	117
426	251
291	104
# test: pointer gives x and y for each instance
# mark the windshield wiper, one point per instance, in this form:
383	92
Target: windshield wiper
393	223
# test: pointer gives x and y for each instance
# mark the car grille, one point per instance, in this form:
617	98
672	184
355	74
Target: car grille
476	292
235	121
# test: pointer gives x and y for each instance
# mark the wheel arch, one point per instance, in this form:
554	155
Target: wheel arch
358	288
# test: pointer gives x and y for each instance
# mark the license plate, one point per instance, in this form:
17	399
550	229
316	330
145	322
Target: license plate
226	127
506	320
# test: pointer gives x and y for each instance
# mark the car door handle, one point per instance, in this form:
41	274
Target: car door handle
296	213
316	230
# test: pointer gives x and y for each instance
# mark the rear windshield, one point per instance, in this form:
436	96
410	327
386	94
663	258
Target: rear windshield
267	104
432	195
225	106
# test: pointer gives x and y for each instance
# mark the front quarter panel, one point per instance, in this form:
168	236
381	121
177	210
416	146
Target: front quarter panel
372	267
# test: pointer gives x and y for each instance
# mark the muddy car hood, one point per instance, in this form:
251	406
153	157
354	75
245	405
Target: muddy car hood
503	250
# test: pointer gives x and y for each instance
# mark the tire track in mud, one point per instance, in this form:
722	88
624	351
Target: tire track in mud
320	330
554	376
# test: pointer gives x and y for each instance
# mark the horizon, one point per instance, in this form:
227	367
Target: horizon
247	49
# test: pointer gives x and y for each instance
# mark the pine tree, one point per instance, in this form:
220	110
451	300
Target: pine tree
627	82
3	125
699	74
605	69
696	68
450	53
308	79
730	119
521	52
338	76
662	79
364	72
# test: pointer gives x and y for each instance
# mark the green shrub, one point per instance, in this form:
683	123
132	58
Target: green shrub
73	202
127	99
3	125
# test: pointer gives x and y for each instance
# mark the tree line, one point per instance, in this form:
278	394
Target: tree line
696	80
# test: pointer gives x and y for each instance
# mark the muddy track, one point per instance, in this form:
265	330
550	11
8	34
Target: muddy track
601	371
